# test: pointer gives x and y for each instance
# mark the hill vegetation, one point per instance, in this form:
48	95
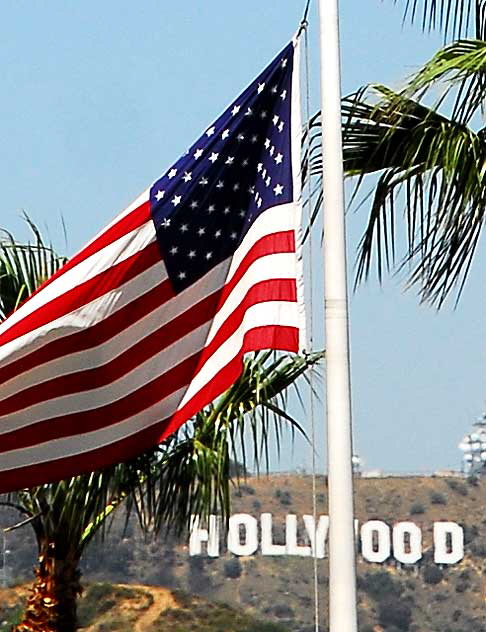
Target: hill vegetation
233	594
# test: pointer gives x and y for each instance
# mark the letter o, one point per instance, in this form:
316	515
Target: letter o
367	549
250	544
399	552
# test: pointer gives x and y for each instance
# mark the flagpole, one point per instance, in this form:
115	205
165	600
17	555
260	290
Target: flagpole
342	563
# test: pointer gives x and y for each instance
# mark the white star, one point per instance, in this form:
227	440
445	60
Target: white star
263	114
233	235
173	250
249	112
209	255
267	143
278	158
278	189
241	137
236	186
191	254
210	131
211	208
283	95
172	173
226	210
242	213
261	86
259	203
201	232
184	228
220	184
176	200
213	157
181	275
203	181
225	134
166	223
187	176
259	167
235	109
217	234
198	153
281	126
284	62
194	204
268	180
254	138
251	190
229	160
275	119
274	90
245	162
272	150
159	195
264	174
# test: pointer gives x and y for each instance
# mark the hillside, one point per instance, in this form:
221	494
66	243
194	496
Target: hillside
421	597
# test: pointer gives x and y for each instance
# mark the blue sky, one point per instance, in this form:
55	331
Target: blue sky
99	98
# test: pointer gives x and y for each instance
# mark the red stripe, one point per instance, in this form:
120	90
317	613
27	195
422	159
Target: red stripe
129	359
85	292
54	470
267	337
285	338
269	245
125	225
103	416
93	336
114	323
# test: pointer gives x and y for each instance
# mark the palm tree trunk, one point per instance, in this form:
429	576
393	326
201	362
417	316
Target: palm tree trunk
51	606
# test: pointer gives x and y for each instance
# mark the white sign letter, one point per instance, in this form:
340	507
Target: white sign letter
250	544
268	547
444	554
198	536
320	534
382	551
291	538
400	530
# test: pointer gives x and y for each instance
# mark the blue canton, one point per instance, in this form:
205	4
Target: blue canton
241	165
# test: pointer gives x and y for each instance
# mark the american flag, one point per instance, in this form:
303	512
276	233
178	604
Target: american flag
150	321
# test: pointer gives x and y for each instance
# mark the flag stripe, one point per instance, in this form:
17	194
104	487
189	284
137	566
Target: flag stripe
285	338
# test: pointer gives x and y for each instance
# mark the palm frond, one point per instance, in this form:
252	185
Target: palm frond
459	68
454	17
433	166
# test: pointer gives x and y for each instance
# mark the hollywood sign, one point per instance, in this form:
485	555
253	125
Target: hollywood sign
379	542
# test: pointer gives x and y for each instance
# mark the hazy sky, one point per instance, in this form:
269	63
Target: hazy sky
97	99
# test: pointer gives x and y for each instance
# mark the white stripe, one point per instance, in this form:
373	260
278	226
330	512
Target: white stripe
93	399
278	266
282	313
77	444
273	220
98	262
99	355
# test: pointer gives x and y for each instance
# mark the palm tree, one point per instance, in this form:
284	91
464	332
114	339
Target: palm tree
428	160
187	474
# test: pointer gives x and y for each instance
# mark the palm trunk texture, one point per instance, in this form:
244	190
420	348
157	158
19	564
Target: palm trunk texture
51	606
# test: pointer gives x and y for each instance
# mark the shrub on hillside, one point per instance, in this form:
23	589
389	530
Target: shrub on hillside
380	585
232	568
437	498
432	574
457	486
394	612
478	547
417	508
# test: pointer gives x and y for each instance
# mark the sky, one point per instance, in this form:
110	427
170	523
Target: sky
98	99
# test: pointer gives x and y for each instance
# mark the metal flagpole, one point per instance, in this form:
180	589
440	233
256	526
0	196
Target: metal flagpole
342	564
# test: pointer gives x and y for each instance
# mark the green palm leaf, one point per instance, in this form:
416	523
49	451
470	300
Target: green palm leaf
454	17
431	165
